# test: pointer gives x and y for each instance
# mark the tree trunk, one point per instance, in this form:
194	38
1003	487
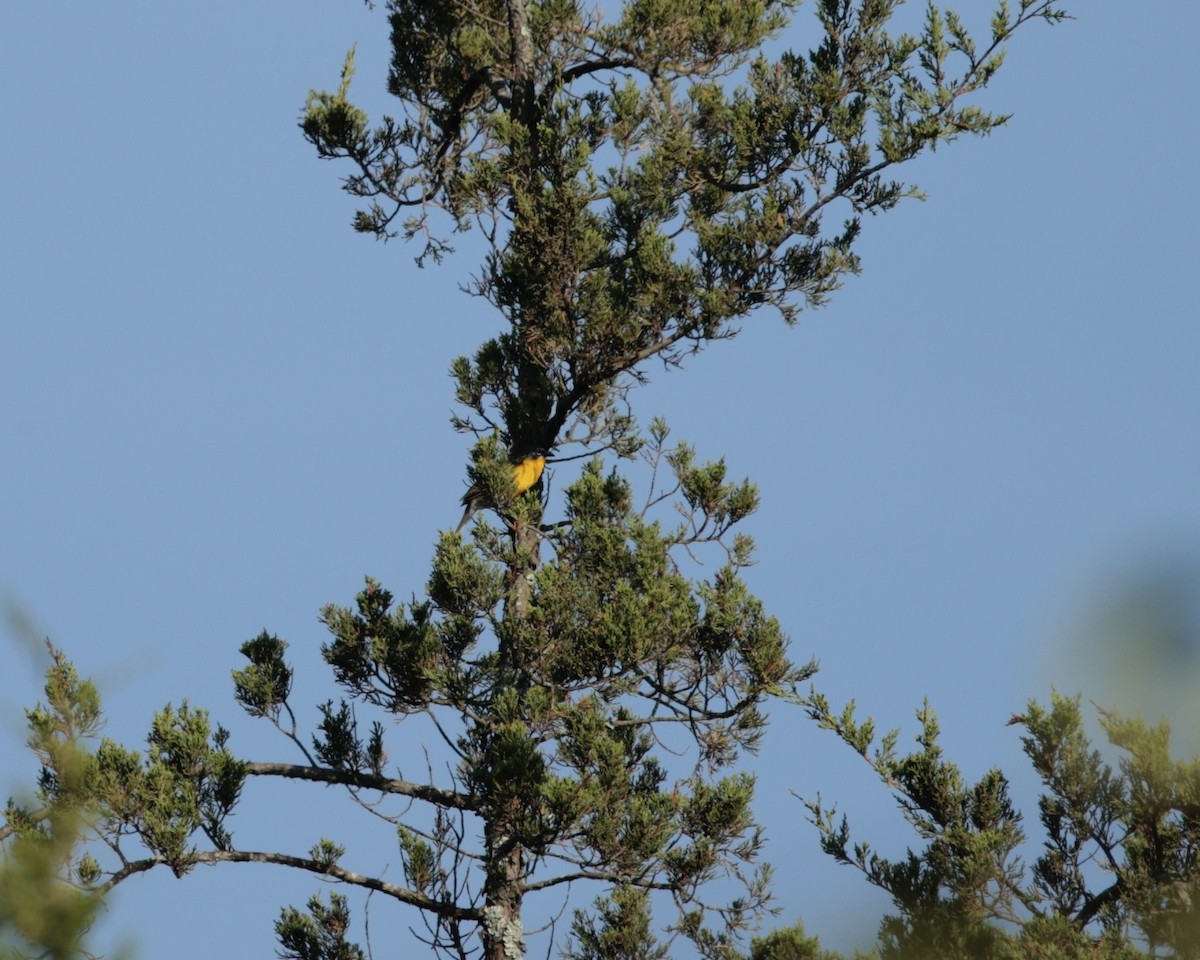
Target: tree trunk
502	893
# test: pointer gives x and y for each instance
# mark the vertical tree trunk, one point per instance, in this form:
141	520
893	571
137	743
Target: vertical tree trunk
503	934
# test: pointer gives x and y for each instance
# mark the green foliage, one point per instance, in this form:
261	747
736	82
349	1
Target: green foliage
318	935
610	630
1118	866
326	853
263	687
188	781
389	658
618	929
638	203
789	943
340	747
57	730
43	911
420	860
331	118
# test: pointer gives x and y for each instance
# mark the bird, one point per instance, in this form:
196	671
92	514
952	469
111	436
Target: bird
526	471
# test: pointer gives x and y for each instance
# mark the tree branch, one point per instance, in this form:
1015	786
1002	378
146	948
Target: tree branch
351	778
1095	904
602	876
403	894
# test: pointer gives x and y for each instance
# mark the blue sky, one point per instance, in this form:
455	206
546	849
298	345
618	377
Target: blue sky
220	409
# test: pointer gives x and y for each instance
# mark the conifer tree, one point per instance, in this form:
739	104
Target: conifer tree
644	182
1115	876
40	914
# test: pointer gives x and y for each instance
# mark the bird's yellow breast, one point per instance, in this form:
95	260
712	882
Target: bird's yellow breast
528	472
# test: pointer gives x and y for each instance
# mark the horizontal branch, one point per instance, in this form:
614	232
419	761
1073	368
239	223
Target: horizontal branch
599	875
441	908
589	67
367	781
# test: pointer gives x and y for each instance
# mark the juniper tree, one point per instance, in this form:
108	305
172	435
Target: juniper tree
1115	876
642	182
40	915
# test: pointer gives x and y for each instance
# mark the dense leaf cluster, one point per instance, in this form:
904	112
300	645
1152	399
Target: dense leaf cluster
1117	872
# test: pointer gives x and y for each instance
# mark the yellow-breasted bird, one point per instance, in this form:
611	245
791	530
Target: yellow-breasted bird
526	471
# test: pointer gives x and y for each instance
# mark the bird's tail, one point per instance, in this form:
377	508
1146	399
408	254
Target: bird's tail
471	501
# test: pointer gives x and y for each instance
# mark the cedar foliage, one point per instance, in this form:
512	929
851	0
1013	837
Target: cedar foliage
1116	875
